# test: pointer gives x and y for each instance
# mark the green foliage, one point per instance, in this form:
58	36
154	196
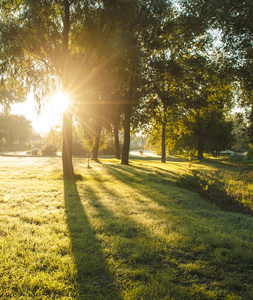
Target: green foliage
8	97
53	141
131	62
220	135
250	127
48	150
218	188
240	132
16	131
250	153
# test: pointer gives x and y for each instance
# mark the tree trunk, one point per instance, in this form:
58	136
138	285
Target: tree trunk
200	148
68	172
164	123
97	141
126	146
116	139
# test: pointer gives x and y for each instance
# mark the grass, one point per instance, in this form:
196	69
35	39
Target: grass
142	231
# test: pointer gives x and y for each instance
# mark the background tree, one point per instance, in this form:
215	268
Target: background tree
232	22
53	141
207	92
166	76
15	130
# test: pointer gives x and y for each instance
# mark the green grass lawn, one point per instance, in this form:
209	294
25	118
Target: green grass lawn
144	231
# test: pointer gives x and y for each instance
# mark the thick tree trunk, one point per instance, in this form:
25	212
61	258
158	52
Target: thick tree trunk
97	141
116	139
164	122
68	172
201	148
126	146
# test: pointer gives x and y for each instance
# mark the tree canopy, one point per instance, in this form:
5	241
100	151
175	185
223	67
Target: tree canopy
125	64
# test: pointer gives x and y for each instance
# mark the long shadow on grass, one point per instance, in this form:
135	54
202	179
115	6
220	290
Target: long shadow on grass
195	225
202	237
215	193
136	174
94	280
140	256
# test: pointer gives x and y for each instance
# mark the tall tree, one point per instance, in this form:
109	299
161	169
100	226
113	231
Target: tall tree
36	47
138	22
232	22
165	82
206	91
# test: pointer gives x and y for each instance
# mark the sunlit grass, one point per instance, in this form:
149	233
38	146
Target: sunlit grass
117	232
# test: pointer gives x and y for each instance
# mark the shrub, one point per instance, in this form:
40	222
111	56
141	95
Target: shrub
35	152
49	150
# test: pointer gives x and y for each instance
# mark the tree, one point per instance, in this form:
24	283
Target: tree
232	22
37	49
239	132
220	135
53	141
136	35
165	82
205	99
207	91
15	130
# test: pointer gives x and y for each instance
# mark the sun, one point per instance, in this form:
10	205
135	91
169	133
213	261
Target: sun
50	115
59	102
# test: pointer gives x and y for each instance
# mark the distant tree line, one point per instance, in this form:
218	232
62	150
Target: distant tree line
170	67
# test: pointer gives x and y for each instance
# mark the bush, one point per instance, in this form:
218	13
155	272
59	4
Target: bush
49	150
35	152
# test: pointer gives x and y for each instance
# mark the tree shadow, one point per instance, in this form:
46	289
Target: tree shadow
135	174
191	232
93	279
215	192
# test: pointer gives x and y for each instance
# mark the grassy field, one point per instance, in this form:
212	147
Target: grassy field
143	231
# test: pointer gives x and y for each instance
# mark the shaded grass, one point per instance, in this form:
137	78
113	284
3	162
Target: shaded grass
222	189
93	276
118	232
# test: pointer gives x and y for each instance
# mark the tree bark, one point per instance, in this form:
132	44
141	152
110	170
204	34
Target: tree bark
164	122
201	147
68	172
116	139
126	145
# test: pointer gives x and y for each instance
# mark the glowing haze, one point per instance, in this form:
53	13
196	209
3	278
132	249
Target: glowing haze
49	116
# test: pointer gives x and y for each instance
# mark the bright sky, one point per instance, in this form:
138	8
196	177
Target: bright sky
50	115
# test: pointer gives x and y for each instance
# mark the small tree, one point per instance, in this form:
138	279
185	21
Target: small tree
53	141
